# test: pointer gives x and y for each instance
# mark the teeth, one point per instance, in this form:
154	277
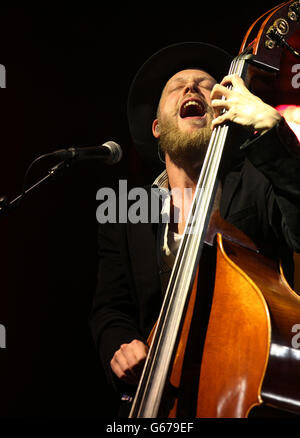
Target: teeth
191	102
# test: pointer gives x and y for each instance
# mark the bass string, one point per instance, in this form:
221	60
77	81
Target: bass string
210	166
205	178
205	184
201	198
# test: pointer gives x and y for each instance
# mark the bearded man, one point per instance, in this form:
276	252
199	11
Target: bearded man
177	98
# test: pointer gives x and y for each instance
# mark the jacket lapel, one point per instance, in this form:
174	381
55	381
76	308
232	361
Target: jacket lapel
142	247
229	188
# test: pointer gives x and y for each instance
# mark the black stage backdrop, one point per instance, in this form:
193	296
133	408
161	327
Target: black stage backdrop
68	71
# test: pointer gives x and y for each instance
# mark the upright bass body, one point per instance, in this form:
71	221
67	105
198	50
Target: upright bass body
238	338
235	363
234	350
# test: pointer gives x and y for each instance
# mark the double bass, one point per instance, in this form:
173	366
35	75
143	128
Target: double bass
222	342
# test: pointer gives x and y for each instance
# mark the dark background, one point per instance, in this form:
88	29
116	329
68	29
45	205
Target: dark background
68	74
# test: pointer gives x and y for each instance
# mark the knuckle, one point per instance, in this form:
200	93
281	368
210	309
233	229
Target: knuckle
141	357
216	88
116	355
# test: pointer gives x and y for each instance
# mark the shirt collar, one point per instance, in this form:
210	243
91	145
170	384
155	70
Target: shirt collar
160	187
162	181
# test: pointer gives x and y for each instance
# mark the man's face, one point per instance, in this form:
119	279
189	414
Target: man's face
184	115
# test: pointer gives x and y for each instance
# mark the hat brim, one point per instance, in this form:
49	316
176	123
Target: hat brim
147	86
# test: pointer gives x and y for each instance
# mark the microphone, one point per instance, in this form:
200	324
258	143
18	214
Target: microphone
109	152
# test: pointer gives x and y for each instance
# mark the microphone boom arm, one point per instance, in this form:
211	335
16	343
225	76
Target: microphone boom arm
6	205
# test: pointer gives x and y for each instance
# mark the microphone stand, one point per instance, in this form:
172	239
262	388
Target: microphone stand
6	205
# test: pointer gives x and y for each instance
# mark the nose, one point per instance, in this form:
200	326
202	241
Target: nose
192	87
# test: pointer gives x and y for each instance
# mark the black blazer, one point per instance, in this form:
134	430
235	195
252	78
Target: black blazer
261	196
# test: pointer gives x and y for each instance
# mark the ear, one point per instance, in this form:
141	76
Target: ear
155	129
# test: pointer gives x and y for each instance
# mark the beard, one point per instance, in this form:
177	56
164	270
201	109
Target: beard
185	147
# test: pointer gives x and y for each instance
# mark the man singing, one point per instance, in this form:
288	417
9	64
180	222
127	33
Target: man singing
176	99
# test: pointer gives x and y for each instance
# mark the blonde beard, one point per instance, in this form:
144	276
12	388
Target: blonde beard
182	147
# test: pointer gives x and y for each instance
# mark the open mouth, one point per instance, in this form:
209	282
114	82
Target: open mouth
192	108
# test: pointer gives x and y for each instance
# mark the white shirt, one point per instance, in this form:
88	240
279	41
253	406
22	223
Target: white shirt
167	241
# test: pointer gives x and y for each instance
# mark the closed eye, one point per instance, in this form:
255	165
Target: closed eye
202	84
178	87
208	85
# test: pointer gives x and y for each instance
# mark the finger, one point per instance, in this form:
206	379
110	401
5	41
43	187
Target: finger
115	366
121	368
139	349
219	106
120	361
120	372
132	358
219	91
220	120
220	103
135	354
129	356
127	362
125	377
234	80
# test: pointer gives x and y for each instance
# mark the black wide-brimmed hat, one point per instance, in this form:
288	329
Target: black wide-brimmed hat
146	87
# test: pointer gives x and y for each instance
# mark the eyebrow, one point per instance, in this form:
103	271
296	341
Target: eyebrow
180	79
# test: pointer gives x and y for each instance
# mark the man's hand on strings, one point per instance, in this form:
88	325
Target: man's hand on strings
242	107
127	362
